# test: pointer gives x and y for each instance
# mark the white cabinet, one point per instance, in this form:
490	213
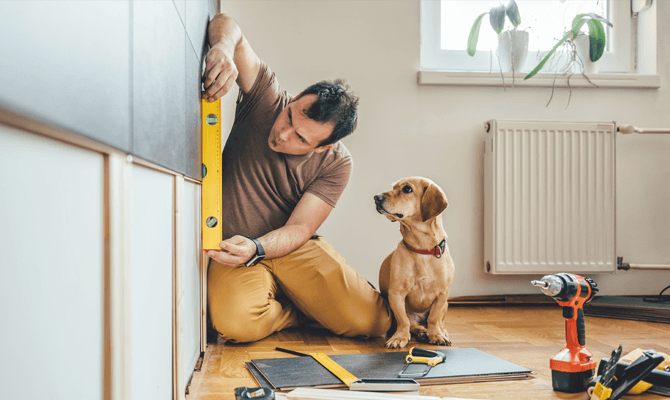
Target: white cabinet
52	259
151	270
100	280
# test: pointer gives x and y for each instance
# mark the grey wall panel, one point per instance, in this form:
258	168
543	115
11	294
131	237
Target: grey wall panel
193	132
52	258
213	8
197	18
64	64
158	84
180	5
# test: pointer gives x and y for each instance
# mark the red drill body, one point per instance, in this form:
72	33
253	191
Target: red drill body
572	367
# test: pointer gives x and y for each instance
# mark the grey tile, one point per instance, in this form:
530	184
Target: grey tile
213	8
180	5
193	134
65	65
197	18
159	42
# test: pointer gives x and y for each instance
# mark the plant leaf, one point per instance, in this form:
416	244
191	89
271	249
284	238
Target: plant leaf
474	35
596	39
497	16
577	23
599	18
512	11
546	58
580	19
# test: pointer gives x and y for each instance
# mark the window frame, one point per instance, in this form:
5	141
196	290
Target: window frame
617	59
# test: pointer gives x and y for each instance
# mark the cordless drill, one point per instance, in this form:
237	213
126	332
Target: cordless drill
573	367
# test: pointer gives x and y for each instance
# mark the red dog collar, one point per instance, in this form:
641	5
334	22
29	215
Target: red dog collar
437	251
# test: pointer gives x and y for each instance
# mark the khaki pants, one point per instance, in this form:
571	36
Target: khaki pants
249	303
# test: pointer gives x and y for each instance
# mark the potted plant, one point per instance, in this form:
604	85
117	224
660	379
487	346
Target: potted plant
512	44
595	42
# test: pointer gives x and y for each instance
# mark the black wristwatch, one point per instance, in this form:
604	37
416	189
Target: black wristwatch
259	256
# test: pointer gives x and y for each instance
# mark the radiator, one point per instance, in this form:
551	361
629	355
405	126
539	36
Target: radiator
549	202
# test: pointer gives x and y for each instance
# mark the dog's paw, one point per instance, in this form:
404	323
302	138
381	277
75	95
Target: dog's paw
439	338
422	336
397	341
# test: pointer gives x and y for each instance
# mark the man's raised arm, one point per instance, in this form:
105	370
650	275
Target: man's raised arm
229	59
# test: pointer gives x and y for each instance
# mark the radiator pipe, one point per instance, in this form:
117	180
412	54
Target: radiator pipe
626	266
635	129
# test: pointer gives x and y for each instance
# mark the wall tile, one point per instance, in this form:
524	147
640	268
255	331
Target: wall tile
64	65
158	84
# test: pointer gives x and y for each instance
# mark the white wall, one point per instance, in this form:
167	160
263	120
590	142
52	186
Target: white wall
433	131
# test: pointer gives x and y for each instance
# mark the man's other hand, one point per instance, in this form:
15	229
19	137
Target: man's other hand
220	73
234	251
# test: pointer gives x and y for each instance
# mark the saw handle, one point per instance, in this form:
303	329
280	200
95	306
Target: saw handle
419	352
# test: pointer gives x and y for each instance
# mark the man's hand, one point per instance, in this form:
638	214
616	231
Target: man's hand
230	58
220	72
234	251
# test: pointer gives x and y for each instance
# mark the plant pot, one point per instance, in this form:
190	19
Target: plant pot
583	48
512	50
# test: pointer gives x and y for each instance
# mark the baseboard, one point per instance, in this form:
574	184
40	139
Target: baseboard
502	300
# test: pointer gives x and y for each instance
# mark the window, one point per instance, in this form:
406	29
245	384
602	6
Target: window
446	24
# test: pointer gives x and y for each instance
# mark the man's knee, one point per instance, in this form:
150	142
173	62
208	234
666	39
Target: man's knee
236	324
366	326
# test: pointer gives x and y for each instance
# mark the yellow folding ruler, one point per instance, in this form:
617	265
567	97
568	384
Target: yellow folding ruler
349	379
335	368
212	204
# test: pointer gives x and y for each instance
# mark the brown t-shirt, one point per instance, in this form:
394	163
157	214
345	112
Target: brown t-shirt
262	187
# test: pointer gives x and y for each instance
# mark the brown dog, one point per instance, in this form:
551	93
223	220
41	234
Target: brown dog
416	276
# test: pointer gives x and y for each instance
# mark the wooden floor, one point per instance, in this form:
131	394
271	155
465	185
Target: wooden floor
525	335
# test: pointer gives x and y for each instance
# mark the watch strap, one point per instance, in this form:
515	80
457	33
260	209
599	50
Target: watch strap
260	253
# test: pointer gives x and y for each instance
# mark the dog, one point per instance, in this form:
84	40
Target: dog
415	278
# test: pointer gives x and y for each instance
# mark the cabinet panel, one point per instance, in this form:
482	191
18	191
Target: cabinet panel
151	269
191	278
52	268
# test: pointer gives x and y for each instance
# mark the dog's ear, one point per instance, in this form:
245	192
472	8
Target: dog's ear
433	202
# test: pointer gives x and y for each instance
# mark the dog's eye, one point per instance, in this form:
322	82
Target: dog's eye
407	189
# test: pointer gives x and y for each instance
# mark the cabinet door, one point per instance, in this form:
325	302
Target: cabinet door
52	265
191	280
151	269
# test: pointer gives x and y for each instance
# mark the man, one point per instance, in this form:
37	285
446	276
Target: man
283	171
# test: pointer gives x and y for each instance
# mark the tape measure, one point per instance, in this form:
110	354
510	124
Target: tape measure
259	393
212	203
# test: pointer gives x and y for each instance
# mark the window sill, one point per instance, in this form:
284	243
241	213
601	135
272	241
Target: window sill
611	80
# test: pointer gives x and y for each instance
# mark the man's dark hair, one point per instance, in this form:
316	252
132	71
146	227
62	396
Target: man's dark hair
335	102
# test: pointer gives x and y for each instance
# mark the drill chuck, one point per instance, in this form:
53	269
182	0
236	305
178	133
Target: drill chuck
551	285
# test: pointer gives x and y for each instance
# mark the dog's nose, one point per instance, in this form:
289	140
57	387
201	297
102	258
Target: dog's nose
379	198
